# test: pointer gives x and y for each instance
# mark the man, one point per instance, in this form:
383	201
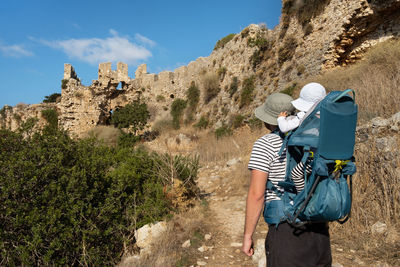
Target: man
284	245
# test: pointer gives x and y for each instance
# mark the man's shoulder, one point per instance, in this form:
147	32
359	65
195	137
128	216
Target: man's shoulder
269	140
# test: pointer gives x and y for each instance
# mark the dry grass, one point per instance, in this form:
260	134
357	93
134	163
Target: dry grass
376	198
376	184
211	87
168	250
108	134
375	80
211	149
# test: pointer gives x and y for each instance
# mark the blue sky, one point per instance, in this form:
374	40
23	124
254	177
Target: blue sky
38	37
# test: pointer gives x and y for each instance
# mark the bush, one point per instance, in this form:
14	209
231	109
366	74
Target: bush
133	116
222	131
221	72
51	116
177	108
246	96
77	202
290	89
202	123
193	96
286	51
211	86
53	98
4	110
258	41
221	43
255	123
64	83
234	86
237	121
160	98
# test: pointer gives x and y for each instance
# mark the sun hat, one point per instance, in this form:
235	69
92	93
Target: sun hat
310	94
273	105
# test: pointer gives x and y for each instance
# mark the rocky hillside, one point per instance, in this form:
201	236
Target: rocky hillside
243	68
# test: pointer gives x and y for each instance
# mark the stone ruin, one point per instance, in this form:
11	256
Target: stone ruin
340	36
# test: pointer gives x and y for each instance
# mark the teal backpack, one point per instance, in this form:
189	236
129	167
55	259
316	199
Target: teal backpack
325	141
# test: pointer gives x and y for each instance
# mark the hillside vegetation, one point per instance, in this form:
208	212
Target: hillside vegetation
77	202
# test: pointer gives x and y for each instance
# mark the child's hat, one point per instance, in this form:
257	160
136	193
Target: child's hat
310	94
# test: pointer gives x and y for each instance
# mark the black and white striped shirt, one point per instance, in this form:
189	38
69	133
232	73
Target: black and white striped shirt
265	157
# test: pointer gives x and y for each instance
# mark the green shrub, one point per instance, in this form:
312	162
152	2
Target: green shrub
221	43
221	72
193	96
17	117
127	139
4	110
51	117
64	83
77	202
286	51
133	116
301	69
258	41
256	58
202	123
255	123
177	108
234	86
53	98
246	95
160	98
211	86
223	131
290	89
237	120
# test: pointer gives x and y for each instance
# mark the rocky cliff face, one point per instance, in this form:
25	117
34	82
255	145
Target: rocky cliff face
313	36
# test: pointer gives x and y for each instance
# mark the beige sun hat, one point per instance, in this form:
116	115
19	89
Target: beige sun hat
273	105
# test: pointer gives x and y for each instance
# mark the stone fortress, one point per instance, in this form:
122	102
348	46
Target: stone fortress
337	35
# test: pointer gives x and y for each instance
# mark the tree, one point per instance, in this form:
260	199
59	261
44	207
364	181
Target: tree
133	116
51	98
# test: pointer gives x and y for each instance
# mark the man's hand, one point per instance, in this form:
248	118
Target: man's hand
283	114
247	247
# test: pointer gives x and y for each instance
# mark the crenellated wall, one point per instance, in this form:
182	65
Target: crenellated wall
336	33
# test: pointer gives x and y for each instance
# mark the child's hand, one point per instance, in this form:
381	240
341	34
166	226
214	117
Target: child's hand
283	114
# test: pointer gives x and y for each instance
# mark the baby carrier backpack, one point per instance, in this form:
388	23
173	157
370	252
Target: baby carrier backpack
325	141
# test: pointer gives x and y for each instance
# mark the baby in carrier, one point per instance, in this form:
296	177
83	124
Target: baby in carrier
310	95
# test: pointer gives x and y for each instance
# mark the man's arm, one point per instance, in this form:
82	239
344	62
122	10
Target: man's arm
254	206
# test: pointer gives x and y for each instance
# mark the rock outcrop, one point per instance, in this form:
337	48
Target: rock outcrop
309	39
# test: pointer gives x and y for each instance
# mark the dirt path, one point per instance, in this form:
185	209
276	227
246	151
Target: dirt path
227	206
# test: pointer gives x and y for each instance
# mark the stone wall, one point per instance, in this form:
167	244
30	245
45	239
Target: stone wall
336	34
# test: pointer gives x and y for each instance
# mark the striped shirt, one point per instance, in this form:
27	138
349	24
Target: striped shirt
297	175
265	157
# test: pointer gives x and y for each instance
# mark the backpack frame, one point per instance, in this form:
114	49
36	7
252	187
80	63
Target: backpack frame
325	141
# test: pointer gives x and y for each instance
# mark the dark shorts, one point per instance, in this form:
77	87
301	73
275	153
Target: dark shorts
286	246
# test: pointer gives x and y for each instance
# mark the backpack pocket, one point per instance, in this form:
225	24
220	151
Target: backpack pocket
273	211
331	201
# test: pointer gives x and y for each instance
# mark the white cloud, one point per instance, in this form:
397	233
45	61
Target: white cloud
144	40
15	51
96	50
